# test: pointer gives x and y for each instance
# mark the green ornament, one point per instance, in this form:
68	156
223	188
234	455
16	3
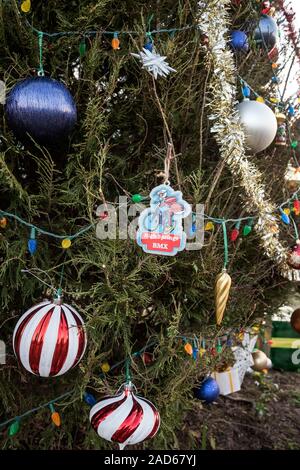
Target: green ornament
294	144
136	198
14	428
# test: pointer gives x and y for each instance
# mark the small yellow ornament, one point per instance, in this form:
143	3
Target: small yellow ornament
105	367
66	243
25	6
188	348
222	288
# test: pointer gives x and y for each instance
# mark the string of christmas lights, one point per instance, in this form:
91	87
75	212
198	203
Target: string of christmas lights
193	346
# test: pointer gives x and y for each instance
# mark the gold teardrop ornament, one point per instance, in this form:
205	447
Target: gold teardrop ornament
222	288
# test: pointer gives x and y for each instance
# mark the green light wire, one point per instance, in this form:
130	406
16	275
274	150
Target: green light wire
295	228
33	410
225	244
127	370
45	232
109	33
127	363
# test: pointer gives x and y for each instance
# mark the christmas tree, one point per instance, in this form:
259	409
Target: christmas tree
155	85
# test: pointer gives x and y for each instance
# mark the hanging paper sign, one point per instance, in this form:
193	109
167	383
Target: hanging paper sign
160	229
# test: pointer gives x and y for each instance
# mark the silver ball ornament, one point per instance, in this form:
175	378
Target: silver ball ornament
259	123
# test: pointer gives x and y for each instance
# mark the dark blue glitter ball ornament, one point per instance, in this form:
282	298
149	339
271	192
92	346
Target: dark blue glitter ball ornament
239	41
208	390
42	108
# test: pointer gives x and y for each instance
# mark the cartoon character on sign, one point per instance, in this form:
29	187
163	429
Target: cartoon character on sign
160	226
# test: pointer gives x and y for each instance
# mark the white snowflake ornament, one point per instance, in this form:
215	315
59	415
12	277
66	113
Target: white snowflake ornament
154	63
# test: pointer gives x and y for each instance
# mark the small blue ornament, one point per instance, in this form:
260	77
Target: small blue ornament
42	108
266	34
239	41
208	390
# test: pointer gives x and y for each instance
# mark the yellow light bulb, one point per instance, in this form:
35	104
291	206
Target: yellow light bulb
255	329
3	222
25	6
209	226
66	243
56	418
240	336
201	352
287	211
105	367
260	99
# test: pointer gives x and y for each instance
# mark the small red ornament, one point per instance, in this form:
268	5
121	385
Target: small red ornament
294	256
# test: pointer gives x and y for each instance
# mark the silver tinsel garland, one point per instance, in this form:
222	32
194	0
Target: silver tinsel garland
228	130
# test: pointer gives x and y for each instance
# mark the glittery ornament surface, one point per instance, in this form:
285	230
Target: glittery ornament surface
294	257
41	108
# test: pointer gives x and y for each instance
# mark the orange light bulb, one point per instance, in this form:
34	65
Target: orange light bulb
188	348
56	418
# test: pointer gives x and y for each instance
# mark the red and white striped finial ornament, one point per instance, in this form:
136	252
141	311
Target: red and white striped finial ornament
125	418
50	338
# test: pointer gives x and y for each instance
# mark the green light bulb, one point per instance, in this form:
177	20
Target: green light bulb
14	428
136	198
246	230
294	144
82	48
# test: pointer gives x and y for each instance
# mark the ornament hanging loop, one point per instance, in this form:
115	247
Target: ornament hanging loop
41	72
167	163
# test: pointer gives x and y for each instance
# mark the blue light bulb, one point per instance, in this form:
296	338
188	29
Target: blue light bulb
32	245
246	91
89	399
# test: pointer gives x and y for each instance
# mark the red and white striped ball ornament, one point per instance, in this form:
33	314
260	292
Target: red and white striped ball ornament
125	418
50	338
